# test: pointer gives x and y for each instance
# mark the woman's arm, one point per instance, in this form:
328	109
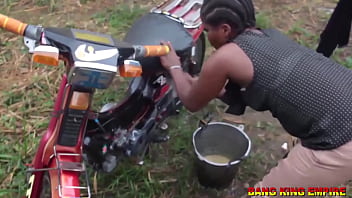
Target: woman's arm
190	78
195	93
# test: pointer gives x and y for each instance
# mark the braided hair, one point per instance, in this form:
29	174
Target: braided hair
239	14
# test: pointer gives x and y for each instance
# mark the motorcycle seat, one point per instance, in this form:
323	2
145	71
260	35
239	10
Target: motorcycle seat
153	28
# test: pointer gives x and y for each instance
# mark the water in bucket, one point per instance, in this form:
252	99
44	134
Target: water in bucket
219	149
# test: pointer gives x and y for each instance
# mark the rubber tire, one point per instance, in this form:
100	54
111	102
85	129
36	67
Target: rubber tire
46	186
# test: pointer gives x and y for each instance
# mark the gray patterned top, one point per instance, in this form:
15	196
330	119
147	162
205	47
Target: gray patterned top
309	94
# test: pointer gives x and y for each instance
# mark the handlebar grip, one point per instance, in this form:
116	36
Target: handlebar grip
12	25
156	50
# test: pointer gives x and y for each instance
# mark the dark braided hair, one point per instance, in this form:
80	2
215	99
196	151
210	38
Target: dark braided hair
239	14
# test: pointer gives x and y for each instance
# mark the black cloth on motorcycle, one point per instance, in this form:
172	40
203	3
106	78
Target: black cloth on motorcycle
310	94
153	28
337	31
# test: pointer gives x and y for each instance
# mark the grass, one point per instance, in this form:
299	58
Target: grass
168	170
341	58
263	20
119	18
23	119
303	36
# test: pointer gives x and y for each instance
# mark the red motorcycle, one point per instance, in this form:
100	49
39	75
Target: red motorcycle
78	135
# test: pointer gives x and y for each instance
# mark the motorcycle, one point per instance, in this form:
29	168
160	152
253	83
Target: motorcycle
76	134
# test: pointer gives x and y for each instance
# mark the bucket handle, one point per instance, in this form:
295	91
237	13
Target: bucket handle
203	123
241	126
233	160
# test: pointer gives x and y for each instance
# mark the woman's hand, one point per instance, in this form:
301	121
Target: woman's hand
171	59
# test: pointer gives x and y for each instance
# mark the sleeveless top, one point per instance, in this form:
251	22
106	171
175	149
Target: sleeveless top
309	94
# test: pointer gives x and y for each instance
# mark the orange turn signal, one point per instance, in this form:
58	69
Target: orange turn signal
131	68
79	101
46	55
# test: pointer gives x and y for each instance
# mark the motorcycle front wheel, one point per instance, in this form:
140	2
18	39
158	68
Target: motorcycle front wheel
46	186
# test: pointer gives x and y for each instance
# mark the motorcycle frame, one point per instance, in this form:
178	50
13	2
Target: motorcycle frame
51	158
64	163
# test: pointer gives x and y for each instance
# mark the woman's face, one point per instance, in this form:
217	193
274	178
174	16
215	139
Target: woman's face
218	36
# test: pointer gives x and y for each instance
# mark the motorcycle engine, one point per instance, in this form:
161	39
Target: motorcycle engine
104	151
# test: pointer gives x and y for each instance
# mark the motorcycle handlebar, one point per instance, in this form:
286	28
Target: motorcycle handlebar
151	50
12	25
23	29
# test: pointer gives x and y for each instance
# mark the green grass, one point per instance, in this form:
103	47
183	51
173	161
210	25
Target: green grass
7	4
27	115
263	20
339	57
303	36
52	4
119	18
348	62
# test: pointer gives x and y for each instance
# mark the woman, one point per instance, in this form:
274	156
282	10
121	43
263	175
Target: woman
308	93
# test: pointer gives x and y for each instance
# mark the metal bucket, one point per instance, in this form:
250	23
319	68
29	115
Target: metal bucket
219	138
